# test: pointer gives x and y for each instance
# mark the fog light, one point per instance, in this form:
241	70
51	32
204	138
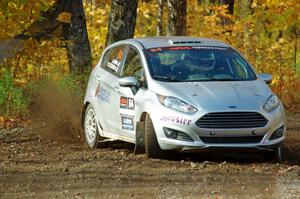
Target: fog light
170	133
277	134
174	134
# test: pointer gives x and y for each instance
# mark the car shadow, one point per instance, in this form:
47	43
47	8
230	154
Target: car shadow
290	157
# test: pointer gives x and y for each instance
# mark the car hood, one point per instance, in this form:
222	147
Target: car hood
219	94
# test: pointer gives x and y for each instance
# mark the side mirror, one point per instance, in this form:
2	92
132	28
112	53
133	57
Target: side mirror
128	82
266	77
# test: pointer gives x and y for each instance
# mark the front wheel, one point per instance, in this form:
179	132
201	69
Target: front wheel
275	155
152	148
278	154
90	127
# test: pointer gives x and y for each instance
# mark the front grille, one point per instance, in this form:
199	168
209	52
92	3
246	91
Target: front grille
231	140
232	120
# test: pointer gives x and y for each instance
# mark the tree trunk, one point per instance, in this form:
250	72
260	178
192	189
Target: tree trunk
65	19
177	17
122	20
78	48
160	17
48	25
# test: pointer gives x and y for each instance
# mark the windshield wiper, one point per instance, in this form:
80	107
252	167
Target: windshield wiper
166	79
213	79
222	79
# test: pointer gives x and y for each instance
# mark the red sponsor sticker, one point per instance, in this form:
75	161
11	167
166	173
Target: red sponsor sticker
180	48
123	102
156	49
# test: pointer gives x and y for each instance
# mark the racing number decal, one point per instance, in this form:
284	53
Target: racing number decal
130	104
120	55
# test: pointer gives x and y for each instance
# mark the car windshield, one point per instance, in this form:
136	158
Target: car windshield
197	63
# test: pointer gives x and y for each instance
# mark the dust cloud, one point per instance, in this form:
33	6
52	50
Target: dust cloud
55	112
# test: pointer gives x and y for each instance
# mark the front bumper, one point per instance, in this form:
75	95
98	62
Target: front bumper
183	146
186	123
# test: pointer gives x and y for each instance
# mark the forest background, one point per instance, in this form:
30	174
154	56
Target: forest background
266	32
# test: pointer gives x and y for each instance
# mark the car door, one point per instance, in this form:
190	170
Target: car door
105	92
124	116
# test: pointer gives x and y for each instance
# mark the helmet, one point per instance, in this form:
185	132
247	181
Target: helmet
206	60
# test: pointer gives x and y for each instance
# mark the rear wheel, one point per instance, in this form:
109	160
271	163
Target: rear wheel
91	131
152	148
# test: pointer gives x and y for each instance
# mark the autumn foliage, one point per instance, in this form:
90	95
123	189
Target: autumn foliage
266	32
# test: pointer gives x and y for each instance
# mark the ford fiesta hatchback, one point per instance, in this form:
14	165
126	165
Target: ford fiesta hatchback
183	94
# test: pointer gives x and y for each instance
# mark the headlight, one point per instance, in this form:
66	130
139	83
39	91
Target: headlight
176	104
271	104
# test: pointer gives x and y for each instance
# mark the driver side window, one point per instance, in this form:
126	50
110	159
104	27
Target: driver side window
133	65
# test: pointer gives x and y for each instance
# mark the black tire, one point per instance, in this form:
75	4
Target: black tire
275	155
152	148
93	143
278	154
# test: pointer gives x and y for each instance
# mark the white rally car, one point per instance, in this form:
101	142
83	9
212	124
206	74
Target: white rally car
183	94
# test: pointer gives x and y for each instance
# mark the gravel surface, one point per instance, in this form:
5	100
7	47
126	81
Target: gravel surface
34	167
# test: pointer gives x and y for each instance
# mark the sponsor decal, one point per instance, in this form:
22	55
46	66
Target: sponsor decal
116	62
102	94
155	49
176	119
180	48
127	103
112	66
123	102
209	48
187	48
127	122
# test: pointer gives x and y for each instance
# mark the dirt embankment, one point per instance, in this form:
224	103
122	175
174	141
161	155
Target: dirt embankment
34	166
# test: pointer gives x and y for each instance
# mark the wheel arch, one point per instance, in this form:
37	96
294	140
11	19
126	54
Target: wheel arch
143	116
83	109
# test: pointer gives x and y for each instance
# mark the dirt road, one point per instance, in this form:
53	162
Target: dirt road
33	167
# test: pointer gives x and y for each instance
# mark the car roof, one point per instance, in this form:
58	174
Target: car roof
155	42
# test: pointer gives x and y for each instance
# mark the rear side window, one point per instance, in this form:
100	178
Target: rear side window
113	62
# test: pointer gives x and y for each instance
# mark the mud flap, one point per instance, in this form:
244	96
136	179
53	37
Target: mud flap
140	138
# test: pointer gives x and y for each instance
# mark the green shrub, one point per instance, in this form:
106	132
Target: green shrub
13	102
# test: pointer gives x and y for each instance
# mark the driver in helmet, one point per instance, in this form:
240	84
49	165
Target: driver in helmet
206	61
